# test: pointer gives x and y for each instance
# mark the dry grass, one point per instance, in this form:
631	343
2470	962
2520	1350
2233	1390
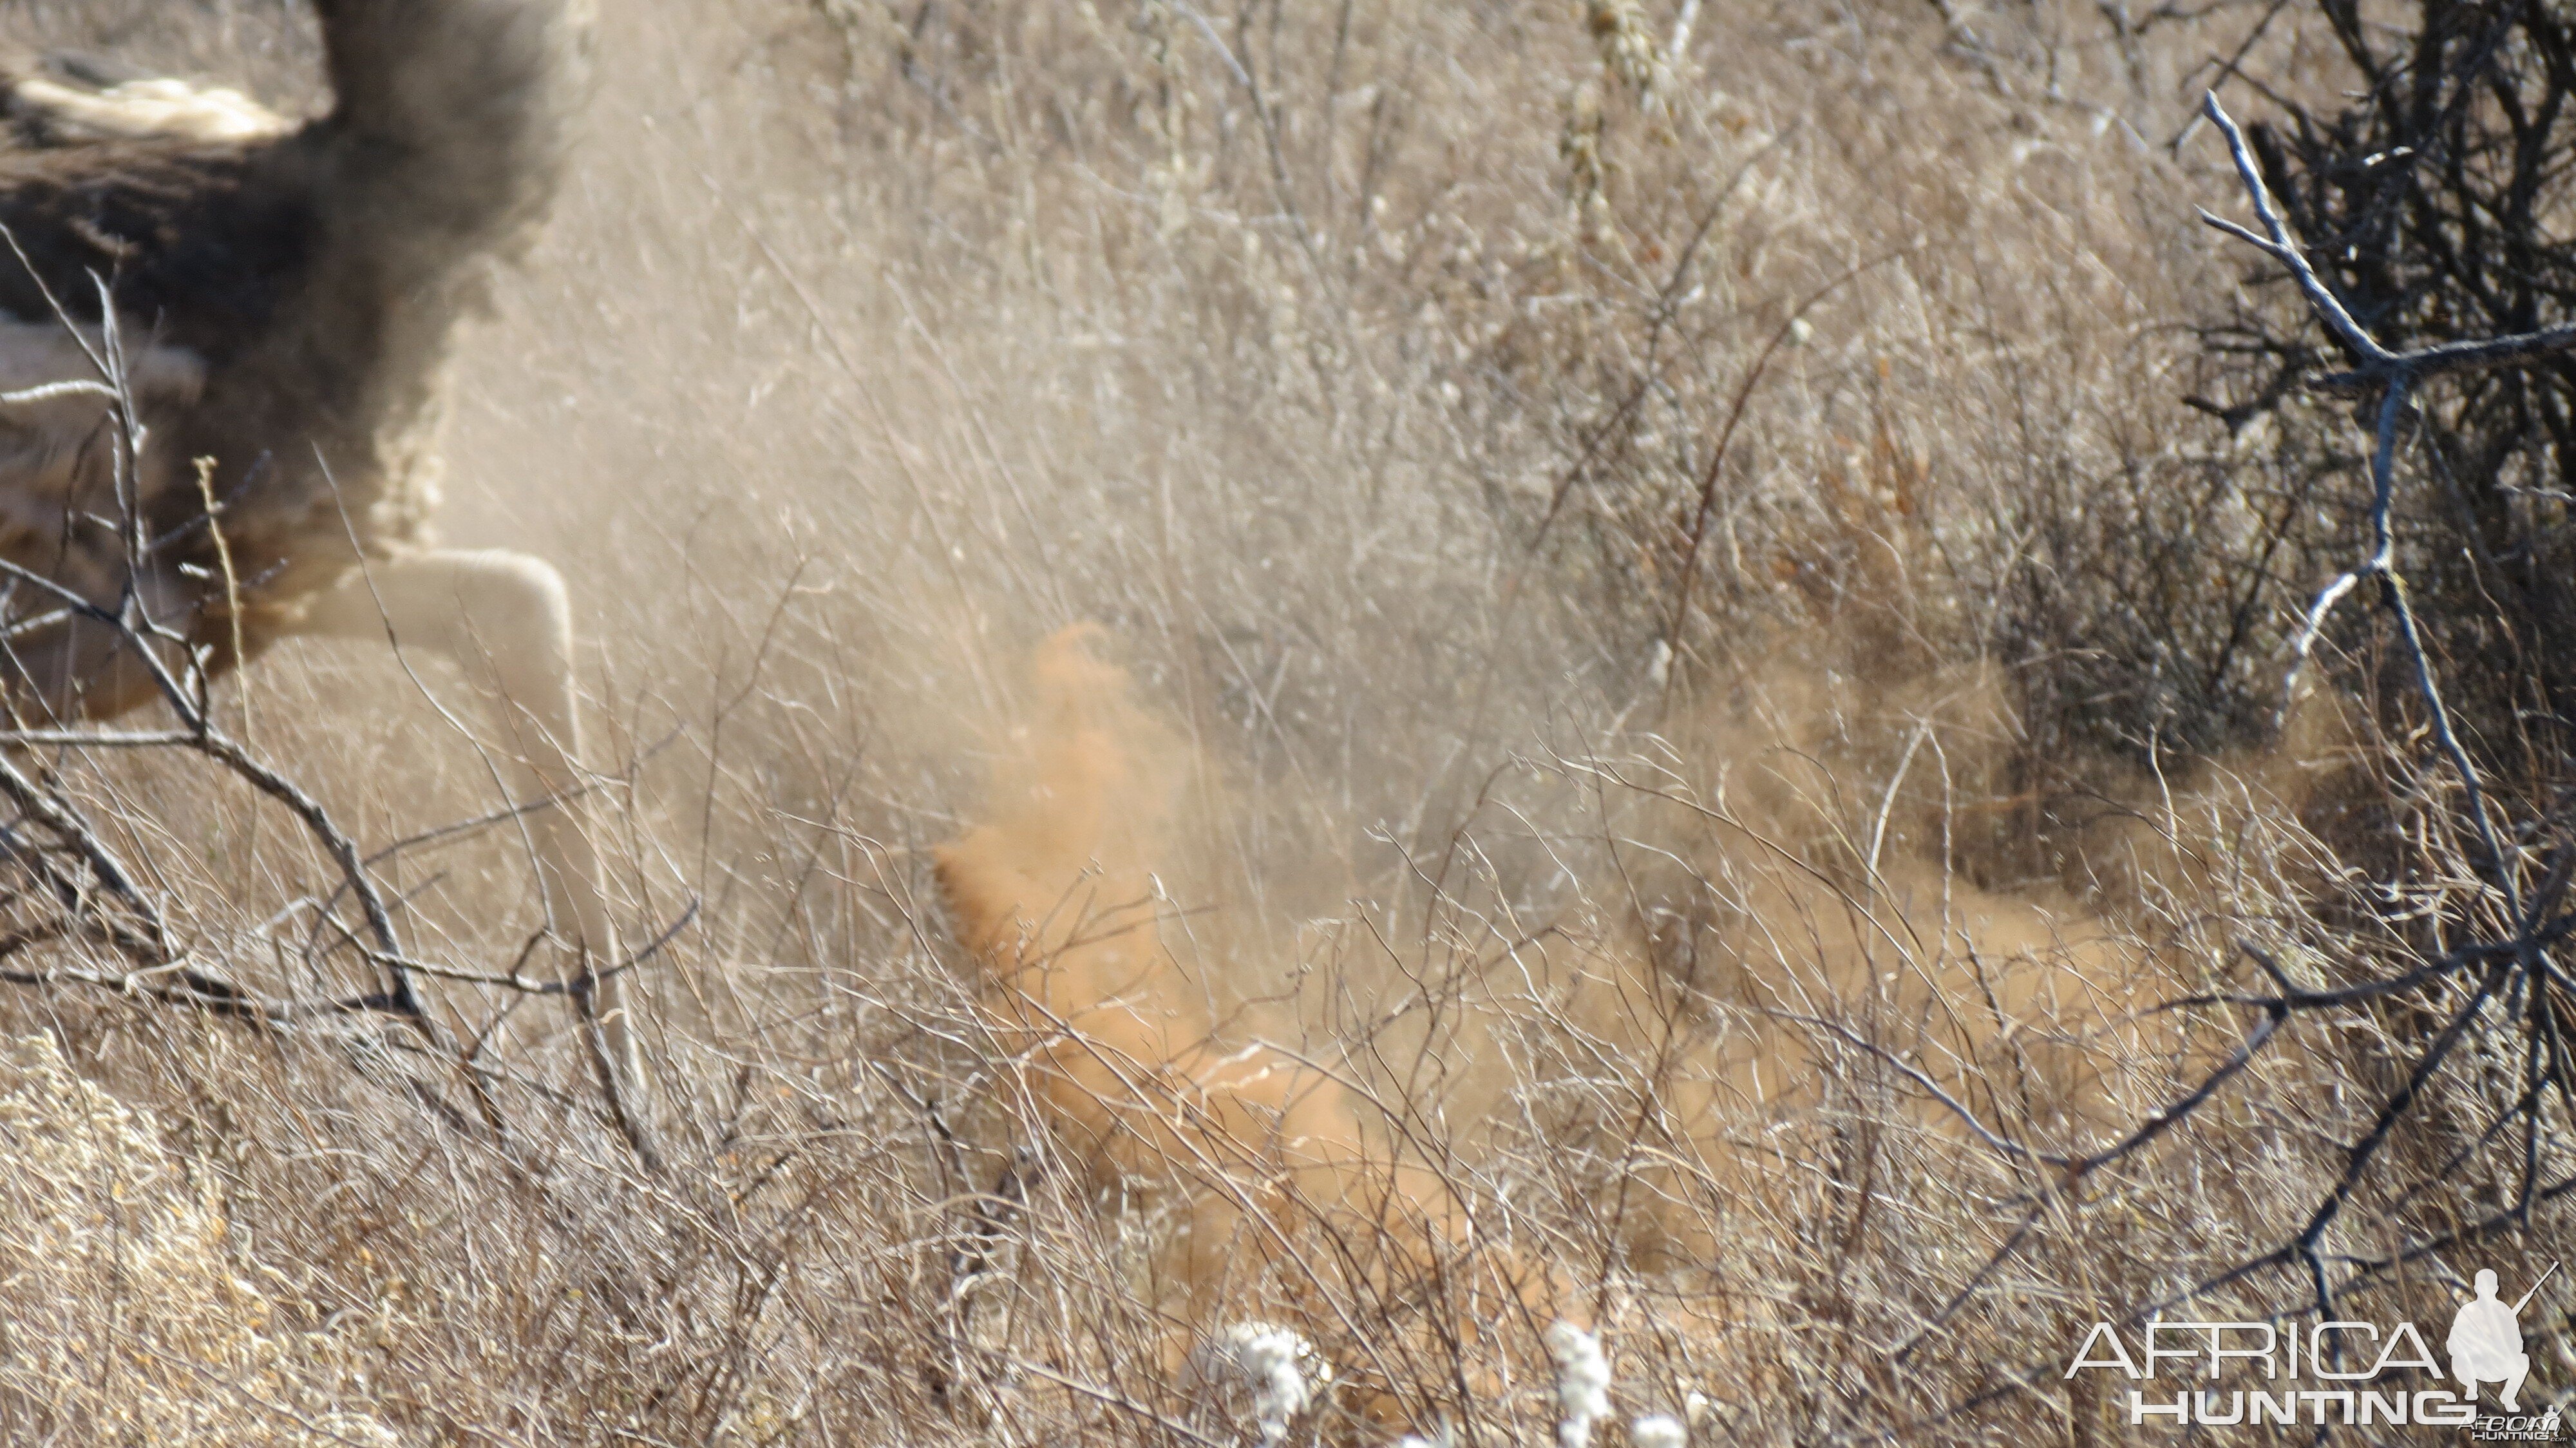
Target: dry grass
1653	608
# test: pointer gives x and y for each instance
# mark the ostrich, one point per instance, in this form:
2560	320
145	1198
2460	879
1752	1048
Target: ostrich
277	300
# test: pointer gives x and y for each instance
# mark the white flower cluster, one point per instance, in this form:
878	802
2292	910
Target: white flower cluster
1583	1395
1658	1430
1582	1382
1267	1362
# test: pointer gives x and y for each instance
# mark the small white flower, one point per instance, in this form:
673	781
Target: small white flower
1658	1430
1582	1382
1267	1361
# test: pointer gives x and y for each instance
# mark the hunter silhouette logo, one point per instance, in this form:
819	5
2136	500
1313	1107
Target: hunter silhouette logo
2486	1341
2341	1371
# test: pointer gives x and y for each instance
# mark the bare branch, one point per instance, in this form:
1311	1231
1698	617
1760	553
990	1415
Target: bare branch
2279	243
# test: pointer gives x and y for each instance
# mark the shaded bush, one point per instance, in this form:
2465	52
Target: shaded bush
2437	202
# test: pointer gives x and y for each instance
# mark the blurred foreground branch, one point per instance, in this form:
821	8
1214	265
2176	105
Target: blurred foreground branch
78	900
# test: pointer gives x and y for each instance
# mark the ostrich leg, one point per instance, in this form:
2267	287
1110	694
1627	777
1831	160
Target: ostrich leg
506	618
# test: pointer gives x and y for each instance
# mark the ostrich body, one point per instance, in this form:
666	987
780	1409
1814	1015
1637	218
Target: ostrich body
276	300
